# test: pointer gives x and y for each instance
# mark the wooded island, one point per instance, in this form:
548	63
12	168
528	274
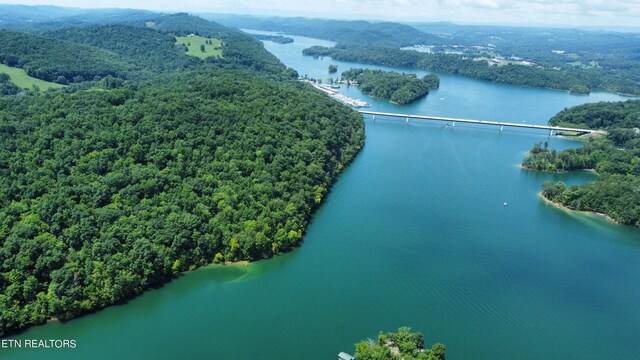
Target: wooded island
399	88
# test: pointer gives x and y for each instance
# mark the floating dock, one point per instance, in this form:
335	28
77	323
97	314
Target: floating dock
340	97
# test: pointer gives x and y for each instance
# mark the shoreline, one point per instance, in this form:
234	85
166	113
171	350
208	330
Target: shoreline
233	263
592	171
592	213
354	103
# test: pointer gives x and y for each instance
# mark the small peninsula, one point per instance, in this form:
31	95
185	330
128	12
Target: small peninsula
399	88
401	345
615	158
275	38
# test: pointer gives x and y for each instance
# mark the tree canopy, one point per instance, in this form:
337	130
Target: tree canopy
130	51
616	159
105	193
58	61
160	163
601	115
573	81
399	88
6	86
397	346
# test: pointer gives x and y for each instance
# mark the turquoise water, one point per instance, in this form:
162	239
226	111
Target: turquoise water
413	233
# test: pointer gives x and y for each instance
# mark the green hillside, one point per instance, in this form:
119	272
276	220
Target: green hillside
58	61
20	78
147	50
182	24
159	164
201	47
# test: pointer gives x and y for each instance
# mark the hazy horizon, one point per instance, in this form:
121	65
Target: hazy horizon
558	13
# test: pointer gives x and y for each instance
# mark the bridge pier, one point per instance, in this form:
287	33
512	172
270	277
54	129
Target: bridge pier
453	121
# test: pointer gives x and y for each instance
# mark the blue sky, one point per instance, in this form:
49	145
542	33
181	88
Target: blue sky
514	12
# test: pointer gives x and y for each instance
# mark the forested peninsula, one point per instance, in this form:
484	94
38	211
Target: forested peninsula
574	82
401	345
275	38
161	164
615	158
399	88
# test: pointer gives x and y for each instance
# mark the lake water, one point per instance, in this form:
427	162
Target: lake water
414	233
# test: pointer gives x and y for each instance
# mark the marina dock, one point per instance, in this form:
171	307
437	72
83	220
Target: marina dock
356	103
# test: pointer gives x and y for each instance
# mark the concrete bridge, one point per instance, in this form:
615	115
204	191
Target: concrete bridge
502	125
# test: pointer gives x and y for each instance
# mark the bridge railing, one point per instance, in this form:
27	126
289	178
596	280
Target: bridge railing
483	122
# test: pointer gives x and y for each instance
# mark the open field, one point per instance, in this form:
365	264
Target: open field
194	44
20	78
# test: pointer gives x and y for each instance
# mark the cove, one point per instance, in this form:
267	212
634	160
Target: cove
413	233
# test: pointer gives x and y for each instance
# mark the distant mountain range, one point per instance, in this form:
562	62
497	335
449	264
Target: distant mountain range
42	18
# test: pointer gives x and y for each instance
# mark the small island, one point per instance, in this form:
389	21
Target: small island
275	38
401	345
615	158
399	88
333	68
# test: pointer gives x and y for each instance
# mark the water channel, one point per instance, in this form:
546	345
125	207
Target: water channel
414	233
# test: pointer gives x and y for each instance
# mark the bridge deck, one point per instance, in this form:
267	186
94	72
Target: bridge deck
483	122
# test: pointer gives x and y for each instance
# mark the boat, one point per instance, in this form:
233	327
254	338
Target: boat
344	356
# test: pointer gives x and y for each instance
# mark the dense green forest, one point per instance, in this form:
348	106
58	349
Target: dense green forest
105	193
163	164
58	61
80	54
432	81
239	50
183	24
509	74
6	86
399	88
616	159
397	346
602	115
149	49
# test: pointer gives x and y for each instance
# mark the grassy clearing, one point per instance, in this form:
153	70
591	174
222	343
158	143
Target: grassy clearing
195	43
22	80
150	24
